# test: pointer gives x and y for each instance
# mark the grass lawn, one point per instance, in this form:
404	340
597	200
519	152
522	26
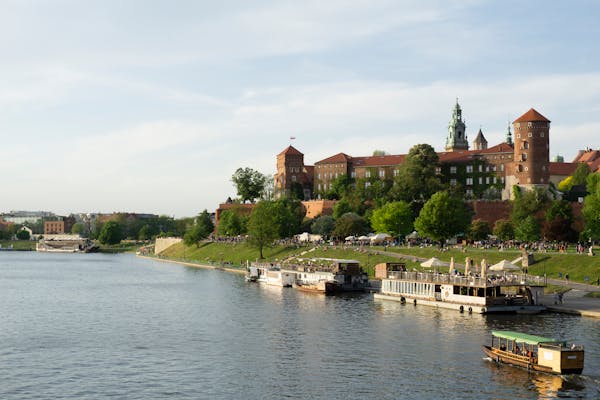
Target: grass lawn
18	244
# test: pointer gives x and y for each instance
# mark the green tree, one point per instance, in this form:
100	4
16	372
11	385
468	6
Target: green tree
504	229
591	208
340	187
394	218
262	226
145	232
527	203
250	184
350	224
233	222
528	230
479	230
79	228
341	207
111	233
443	217
201	229
417	179
323	225
23	234
288	215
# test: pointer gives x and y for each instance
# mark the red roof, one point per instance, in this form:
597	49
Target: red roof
532	116
467	155
588	156
376	161
291	150
562	168
338	158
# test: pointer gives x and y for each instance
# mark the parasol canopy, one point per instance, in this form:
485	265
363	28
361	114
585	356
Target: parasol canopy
505	266
451	265
433	262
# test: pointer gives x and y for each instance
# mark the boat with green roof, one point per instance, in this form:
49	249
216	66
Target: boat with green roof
535	353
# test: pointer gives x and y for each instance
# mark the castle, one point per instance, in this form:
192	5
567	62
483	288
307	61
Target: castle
482	171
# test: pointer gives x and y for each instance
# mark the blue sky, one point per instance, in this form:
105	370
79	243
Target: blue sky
150	106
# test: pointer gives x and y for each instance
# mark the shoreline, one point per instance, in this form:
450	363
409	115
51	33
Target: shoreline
194	265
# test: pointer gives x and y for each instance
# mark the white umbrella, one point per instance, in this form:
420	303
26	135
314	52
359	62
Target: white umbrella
451	265
380	237
467	262
504	266
349	238
483	268
361	238
413	235
432	262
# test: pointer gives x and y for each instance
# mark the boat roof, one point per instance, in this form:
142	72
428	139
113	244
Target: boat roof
522	337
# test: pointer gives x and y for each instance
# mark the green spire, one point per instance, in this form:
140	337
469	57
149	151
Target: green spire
509	135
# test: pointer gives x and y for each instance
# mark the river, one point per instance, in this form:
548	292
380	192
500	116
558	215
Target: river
92	326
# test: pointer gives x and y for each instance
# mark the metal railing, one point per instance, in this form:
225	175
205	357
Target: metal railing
488	281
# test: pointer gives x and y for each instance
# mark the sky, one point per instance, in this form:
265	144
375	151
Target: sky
150	106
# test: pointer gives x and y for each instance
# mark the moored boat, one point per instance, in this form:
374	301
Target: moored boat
328	275
535	353
514	293
270	275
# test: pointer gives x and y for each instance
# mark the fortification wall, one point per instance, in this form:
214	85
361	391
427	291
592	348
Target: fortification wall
161	244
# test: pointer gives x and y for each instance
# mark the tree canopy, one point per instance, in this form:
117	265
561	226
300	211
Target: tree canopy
350	224
201	229
443	217
394	218
504	229
110	233
262	226
323	225
232	222
250	184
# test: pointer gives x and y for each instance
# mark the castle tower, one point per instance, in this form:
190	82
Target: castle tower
292	173
457	139
509	139
480	142
532	150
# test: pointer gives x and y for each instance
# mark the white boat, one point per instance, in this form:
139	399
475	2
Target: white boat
270	274
515	293
329	275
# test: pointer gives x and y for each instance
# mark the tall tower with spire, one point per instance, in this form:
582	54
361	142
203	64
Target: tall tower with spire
509	135
457	138
480	142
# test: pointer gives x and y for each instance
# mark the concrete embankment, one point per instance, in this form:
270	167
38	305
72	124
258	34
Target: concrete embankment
195	265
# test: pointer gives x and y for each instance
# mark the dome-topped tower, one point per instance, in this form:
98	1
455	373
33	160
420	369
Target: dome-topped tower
457	138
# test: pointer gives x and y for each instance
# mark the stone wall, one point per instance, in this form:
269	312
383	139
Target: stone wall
161	244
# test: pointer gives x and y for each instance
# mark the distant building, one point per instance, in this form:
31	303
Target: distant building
54	227
23	217
293	177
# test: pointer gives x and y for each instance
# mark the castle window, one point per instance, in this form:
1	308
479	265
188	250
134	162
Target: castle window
353	174
487	168
367	184
523	156
529	134
318	176
494	168
453	169
382	173
525	144
396	172
470	181
502	167
510	156
480	180
367	174
495	180
529	124
526	169
487	180
518	136
469	169
469	192
293	178
438	170
480	168
453	182
541	134
502	179
319	187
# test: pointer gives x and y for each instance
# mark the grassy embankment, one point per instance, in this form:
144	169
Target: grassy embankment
578	266
24	245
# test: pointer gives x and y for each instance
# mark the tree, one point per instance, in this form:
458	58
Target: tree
288	215
250	184
23	234
340	187
528	203
394	218
443	217
479	230
350	224
323	225
504	229
417	179
111	233
201	229
591	208
233	222
528	230
78	228
262	226
560	229
145	232
341	207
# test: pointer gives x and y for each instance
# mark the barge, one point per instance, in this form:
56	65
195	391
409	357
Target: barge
514	293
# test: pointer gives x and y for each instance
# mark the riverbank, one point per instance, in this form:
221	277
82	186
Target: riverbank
234	270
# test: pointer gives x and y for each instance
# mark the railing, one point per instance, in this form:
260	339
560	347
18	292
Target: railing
460	280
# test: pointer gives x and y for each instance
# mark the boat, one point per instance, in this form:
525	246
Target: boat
328	275
269	274
66	244
515	293
535	353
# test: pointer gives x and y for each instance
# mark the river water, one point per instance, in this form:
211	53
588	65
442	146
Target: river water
95	326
